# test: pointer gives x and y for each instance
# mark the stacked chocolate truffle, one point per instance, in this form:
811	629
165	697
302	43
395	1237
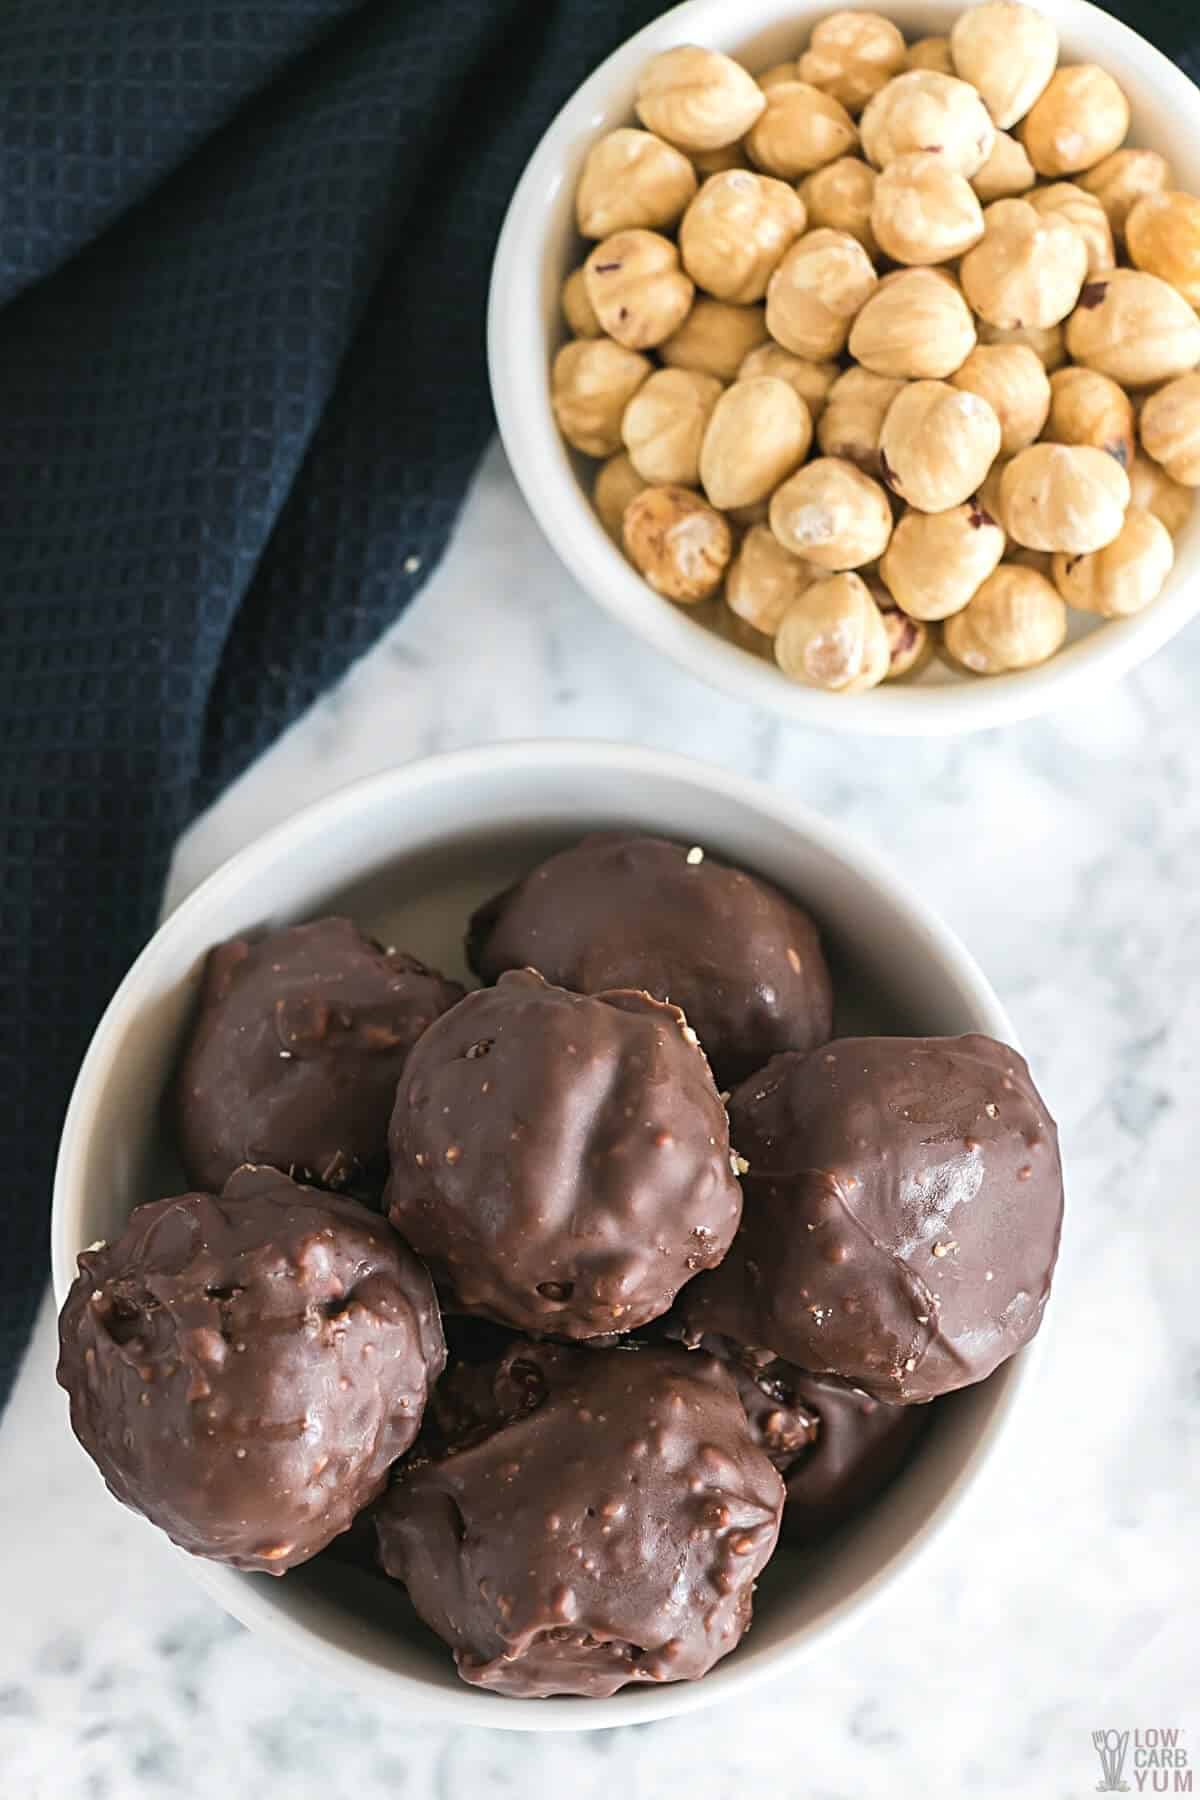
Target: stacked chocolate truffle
663	1347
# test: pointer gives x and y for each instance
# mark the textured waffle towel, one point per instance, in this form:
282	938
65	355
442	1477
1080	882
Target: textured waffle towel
243	262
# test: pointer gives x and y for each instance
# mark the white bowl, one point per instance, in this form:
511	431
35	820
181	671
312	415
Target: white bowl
408	854
539	246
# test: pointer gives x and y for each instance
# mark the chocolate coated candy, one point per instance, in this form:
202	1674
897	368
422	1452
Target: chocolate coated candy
245	1370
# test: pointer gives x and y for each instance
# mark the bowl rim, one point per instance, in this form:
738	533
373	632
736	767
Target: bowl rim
248	1600
518	357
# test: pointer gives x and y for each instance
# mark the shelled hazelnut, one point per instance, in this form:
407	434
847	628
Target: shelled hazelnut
664	424
1089	408
887	347
1013	381
840	196
1170	429
764	579
937	445
1125	576
833	637
1015	620
936	561
680	543
832	515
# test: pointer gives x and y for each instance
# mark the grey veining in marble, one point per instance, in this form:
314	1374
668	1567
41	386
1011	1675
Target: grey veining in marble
1065	1595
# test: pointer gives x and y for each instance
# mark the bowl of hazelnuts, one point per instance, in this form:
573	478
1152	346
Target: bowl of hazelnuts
554	1223
852	359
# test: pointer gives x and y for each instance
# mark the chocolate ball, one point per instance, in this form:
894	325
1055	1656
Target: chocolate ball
245	1370
561	1161
742	960
293	1060
607	1528
835	1446
902	1213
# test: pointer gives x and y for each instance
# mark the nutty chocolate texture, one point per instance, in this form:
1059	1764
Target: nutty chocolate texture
903	1204
561	1161
244	1370
601	1521
293	1059
742	960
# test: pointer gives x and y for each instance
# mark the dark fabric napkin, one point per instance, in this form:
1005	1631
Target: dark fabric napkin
244	251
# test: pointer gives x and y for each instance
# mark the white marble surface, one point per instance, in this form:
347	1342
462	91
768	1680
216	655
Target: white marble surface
1065	1597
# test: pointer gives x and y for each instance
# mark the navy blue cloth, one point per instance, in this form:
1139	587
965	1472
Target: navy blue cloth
244	251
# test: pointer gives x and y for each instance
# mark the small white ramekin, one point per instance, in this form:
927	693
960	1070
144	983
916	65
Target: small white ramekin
539	246
408	854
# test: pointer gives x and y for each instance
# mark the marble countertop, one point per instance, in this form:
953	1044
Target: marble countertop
1065	1596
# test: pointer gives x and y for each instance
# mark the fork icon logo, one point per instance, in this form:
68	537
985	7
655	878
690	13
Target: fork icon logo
1112	1748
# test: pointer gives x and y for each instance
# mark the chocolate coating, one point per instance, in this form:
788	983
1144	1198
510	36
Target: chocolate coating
561	1161
742	960
608	1527
835	1446
245	1370
293	1060
902	1214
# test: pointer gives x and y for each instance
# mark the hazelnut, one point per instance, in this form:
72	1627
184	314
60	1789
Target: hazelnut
1015	620
679	543
990	500
1063	497
735	232
1087	408
1064	200
577	308
698	99
1121	180
1047	342
1134	327
637	290
1009	52
592	382
664	426
801	130
617	483
777	73
716	162
632	180
833	637
1011	378
1028	270
931	53
923	212
1170	428
851	55
839	196
851	425
811	380
915	326
935	561
759	433
1163	235
910	642
1125	576
1154	491
765	579
1080	117
937	445
715	338
833	515
816	291
922	110
1007	172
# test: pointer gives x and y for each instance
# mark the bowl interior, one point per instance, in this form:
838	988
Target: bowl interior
407	857
540	246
